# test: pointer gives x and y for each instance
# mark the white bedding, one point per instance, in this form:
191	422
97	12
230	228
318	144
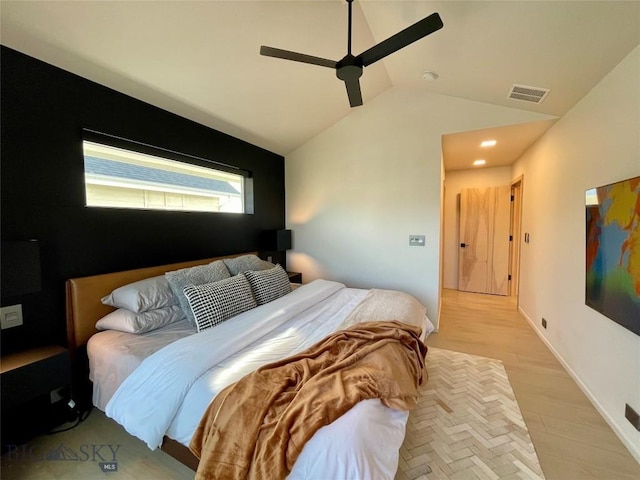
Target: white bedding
113	355
166	392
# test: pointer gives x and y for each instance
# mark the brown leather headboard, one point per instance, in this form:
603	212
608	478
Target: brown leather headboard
83	296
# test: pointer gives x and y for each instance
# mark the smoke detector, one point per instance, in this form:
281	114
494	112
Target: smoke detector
527	93
430	76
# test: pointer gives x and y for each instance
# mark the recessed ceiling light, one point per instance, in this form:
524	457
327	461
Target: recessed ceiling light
488	143
430	76
479	162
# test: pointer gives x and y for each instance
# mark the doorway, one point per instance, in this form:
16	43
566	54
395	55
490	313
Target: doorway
484	253
515	235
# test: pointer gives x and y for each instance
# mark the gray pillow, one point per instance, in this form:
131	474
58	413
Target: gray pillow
125	320
143	295
213	303
198	275
246	262
268	285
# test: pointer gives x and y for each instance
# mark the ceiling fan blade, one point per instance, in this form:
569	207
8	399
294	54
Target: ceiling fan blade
418	30
353	90
296	57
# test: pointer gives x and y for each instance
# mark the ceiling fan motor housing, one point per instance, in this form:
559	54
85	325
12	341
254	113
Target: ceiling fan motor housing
349	68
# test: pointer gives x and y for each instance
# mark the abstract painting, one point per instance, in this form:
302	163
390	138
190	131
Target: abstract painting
613	252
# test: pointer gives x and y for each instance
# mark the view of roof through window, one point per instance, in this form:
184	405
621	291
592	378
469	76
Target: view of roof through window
115	177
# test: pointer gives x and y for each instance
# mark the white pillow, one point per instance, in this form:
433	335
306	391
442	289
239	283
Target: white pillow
213	303
268	285
141	296
125	320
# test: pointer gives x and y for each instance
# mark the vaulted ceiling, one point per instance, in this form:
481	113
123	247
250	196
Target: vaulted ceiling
200	59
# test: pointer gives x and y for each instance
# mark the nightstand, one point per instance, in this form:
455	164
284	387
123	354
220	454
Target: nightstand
295	277
30	381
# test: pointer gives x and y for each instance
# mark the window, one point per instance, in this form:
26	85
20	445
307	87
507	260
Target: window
115	177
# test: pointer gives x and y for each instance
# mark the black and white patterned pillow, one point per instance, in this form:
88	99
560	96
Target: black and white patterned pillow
213	303
267	285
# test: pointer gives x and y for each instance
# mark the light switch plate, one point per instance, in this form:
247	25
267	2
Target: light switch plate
11	316
416	240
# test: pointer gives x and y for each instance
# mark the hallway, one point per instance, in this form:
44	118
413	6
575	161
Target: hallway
571	438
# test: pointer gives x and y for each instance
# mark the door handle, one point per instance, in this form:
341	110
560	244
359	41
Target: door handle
464	245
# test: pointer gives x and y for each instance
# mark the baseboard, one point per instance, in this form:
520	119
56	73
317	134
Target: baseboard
633	449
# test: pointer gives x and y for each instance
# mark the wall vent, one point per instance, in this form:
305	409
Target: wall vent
528	94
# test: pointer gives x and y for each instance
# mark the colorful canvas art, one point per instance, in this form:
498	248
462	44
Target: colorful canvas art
613	252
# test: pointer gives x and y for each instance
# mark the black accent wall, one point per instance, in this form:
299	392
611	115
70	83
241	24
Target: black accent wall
44	110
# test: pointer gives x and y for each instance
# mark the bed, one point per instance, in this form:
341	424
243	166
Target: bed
158	389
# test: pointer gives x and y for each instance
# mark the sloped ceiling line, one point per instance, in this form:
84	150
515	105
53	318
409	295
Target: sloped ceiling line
201	60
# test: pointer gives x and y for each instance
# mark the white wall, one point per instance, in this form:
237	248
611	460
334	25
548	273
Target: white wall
357	191
454	182
596	143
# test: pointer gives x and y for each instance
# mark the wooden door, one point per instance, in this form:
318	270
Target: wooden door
483	265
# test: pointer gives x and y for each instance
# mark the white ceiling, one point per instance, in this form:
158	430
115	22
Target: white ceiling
462	149
200	60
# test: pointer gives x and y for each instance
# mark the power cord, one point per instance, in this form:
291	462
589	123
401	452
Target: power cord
75	415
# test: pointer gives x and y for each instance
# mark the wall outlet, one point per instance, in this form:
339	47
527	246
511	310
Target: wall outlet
56	395
416	240
544	323
631	415
11	316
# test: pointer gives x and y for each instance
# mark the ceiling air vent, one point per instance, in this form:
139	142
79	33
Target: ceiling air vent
528	94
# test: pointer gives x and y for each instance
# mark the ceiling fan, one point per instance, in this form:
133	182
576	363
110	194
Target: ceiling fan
349	69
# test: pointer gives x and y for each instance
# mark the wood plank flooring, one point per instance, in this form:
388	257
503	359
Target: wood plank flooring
571	438
93	442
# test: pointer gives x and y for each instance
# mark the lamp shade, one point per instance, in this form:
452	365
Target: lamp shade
283	240
20	268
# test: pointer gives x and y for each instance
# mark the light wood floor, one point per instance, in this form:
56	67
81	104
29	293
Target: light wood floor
93	442
570	437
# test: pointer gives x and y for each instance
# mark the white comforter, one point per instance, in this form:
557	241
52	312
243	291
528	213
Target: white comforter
168	393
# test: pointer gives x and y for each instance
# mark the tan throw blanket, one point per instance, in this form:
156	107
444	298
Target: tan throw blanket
257	427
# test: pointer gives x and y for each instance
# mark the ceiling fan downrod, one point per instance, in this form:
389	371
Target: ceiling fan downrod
350	2
349	69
